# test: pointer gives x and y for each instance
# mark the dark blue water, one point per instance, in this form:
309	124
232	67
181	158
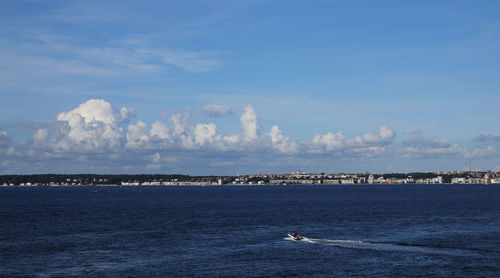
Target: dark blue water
350	231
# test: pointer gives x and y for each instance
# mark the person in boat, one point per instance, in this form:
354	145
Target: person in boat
296	235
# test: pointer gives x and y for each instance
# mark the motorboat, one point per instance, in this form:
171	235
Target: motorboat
295	236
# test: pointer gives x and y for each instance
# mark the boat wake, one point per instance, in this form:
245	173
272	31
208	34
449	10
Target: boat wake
359	244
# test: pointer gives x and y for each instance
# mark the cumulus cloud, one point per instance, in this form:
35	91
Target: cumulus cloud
90	136
369	144
249	125
180	122
96	129
92	126
328	142
181	134
94	110
206	134
215	110
385	135
96	126
161	131
126	114
137	135
281	143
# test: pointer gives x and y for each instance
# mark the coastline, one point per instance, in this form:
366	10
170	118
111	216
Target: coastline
246	185
296	178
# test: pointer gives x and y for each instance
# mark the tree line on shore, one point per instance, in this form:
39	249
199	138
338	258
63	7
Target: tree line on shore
87	179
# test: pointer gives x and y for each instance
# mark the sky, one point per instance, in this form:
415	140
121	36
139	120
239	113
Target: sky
245	87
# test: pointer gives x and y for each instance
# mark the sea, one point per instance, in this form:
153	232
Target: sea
241	231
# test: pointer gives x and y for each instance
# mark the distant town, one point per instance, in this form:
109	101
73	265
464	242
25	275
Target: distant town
295	178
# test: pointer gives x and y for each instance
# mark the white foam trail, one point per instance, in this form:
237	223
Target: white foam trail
346	243
359	244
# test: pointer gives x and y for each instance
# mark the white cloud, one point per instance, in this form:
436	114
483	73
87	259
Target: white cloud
161	131
180	123
367	145
386	134
95	131
206	133
281	143
94	110
126	114
96	126
137	135
92	126
249	125
91	136
327	142
232	139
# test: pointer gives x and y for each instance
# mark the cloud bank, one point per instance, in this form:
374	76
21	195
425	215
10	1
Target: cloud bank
96	133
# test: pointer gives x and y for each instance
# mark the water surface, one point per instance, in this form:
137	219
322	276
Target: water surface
350	231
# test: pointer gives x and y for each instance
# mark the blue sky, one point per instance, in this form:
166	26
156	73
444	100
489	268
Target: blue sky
237	87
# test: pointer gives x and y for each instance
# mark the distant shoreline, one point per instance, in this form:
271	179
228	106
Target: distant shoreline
296	178
243	185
